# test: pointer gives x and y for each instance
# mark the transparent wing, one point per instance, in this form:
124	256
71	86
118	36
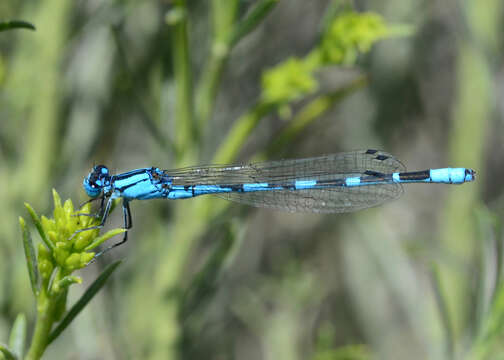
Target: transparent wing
325	167
285	172
334	200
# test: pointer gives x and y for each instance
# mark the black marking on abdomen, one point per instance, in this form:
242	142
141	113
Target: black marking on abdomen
371	151
415	175
376	178
232	187
331	182
289	187
374	173
237	188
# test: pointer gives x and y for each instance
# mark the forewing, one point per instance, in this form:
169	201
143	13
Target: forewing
333	166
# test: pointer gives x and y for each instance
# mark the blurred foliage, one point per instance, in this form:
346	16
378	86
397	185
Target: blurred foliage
15	24
354	33
172	84
289	81
345	38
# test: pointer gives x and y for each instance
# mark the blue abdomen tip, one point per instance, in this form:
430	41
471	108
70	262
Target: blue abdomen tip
452	175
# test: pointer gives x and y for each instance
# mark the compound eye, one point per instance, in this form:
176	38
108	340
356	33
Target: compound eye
95	183
101	170
94	180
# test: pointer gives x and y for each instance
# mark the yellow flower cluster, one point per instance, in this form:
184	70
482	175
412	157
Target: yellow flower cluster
63	245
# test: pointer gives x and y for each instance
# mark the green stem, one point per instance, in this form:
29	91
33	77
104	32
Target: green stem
444	314
226	36
240	131
47	308
45	319
41	132
309	113
224	16
182	76
253	19
207	90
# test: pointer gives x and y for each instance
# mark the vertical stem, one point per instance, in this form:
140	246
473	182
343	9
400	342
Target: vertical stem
47	313
44	322
240	131
42	138
224	16
183	78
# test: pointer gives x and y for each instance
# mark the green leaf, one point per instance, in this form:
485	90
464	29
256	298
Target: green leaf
444	314
15	24
101	239
38	225
83	301
7	353
204	284
60	305
17	337
253	19
67	281
486	224
31	259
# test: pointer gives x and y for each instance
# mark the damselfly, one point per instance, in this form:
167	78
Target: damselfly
334	183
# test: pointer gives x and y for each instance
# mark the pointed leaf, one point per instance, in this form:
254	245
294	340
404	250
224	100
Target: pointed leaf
15	24
101	239
442	306
7	353
83	301
61	305
39	227
18	336
67	281
31	259
203	286
253	19
488	271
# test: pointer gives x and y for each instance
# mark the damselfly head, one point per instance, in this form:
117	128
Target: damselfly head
96	180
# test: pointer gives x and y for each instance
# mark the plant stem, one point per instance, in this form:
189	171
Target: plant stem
240	131
253	19
182	76
44	123
207	91
224	15
45	319
309	113
47	306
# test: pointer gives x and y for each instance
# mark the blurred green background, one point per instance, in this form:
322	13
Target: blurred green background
134	84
